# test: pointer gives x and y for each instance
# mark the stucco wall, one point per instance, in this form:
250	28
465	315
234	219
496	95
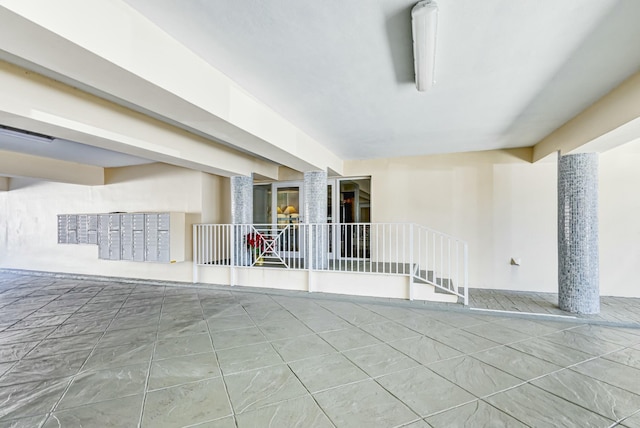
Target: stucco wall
500	203
28	229
505	206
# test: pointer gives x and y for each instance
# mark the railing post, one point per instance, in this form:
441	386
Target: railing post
411	275
195	254
309	258
232	272
466	274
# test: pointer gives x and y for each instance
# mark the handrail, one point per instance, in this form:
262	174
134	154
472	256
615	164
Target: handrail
423	254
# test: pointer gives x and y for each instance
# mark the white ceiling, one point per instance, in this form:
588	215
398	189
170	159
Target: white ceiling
69	151
508	72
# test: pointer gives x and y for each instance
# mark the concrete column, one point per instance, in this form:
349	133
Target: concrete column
242	213
578	253
315	213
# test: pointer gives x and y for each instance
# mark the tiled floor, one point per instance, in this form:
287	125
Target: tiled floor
620	311
90	353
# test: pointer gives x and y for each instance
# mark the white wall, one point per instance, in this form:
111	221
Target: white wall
619	221
28	229
504	206
500	203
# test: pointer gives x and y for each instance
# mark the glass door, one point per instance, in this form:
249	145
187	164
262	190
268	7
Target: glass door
355	215
286	198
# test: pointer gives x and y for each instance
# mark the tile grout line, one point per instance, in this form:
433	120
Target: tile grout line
150	365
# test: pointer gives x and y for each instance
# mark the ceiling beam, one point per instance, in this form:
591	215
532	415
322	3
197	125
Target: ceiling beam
37	103
14	164
609	122
143	68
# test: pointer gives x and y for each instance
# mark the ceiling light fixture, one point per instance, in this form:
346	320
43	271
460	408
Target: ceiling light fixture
424	22
25	135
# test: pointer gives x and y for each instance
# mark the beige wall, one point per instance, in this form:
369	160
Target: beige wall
504	207
28	229
500	203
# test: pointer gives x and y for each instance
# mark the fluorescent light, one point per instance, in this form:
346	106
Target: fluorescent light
424	22
25	135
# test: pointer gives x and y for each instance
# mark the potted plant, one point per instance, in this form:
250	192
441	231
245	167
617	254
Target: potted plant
255	241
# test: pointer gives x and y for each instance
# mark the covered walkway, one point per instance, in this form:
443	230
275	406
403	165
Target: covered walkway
91	352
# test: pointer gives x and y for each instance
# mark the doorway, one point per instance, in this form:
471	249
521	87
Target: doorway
348	203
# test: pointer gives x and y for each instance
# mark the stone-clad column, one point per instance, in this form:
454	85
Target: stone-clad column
578	254
315	213
241	200
242	213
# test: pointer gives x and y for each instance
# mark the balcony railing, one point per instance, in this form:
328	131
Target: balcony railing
424	255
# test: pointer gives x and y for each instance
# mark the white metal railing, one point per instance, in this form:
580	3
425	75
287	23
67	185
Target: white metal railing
425	255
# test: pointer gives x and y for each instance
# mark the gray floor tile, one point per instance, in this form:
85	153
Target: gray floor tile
28	399
74	327
51	367
614	373
119	356
497	332
472	415
218	310
602	398
103	385
632	421
619	336
516	363
423	324
182	345
424	391
247	357
226	422
186	404
474	376
551	351
364	404
234	338
118	413
179	370
389	330
41	321
538	408
590	345
301	412
298	348
15	351
258	388
328	371
5	366
454	320
462	341
232	322
10	336
378	360
275	330
349	338
325	324
628	357
124	337
182	328
28	422
64	345
531	327
424	350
